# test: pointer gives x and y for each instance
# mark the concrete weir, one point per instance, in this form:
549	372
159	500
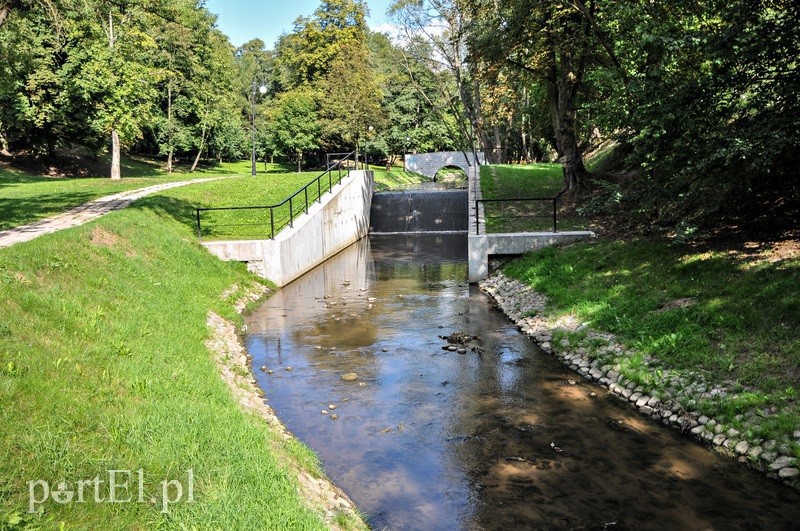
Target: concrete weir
340	219
419	211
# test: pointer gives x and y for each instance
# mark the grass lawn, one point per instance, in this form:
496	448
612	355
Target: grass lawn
25	198
395	178
263	190
736	318
103	366
506	181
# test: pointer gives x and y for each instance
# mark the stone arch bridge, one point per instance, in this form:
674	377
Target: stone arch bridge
428	164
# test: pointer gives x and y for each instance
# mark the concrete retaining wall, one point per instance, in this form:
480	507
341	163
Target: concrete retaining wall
428	164
481	247
340	220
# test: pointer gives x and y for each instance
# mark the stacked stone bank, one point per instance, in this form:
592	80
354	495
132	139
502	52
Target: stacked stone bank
664	395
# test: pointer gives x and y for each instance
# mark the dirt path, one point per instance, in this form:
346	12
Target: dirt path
85	213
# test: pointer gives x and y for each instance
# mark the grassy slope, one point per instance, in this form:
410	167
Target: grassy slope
744	324
264	190
504	181
103	366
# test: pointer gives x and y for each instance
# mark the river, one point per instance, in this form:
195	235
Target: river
500	436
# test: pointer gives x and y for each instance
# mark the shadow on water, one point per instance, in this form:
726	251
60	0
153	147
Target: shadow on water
427	438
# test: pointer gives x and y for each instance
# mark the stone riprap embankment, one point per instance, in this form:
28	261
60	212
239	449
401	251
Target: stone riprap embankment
665	395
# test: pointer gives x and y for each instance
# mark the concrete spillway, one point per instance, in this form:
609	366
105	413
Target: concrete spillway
419	211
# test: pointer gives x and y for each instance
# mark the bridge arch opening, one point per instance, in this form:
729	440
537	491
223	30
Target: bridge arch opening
452	176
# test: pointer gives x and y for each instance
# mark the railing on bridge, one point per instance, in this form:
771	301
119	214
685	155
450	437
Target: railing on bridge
269	219
511	216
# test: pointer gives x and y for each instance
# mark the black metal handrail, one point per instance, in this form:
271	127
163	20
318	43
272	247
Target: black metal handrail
516	199
291	200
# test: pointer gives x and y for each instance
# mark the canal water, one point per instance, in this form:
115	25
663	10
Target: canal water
500	436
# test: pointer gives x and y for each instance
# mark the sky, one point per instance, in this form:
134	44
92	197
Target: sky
242	20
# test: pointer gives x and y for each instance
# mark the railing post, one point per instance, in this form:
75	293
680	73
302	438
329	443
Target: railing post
319	189
199	230
291	218
271	223
330	182
306	191
555	210
477	220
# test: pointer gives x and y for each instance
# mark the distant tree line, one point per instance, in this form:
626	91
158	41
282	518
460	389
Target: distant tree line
158	77
701	97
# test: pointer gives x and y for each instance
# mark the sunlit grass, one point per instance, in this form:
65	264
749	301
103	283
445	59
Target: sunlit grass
692	310
523	181
103	366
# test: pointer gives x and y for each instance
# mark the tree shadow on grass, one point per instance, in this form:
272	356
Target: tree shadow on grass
169	207
20	211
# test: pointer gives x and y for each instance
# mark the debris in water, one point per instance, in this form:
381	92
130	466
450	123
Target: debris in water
331	406
350	377
334	416
555	448
290	368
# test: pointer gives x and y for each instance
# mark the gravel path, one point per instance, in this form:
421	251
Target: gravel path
85	213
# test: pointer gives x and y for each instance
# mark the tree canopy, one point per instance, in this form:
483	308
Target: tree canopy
700	96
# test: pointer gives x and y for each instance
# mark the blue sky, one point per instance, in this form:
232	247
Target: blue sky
242	20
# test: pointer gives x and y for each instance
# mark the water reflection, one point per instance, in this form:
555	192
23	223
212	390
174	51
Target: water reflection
433	439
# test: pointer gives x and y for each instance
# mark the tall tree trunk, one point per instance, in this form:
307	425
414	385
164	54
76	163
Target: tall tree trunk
115	165
497	146
116	173
199	150
5	10
4	144
561	91
300	161
169	124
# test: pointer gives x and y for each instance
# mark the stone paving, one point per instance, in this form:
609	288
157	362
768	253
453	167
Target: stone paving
85	212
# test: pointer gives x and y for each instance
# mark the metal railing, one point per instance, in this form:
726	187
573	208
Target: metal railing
554	200
285	212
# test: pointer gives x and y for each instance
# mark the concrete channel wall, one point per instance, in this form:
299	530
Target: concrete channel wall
341	219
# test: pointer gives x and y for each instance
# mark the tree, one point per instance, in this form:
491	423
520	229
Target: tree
351	101
293	123
556	43
436	36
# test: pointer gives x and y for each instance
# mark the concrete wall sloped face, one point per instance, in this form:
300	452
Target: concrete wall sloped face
428	164
419	211
341	219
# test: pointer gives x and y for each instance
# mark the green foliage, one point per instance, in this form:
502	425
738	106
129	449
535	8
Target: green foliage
293	125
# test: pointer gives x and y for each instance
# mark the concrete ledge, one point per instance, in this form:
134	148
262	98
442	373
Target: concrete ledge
484	245
341	219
